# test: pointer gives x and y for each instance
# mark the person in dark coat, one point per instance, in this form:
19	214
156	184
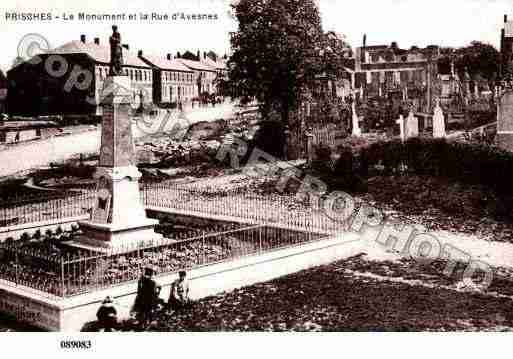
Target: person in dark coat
179	293
147	297
107	316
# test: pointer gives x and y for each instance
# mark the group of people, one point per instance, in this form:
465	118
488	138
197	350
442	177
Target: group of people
147	302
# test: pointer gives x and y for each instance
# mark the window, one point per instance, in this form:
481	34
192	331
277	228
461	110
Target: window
131	74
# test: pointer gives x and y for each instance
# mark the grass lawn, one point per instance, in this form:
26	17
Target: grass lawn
334	298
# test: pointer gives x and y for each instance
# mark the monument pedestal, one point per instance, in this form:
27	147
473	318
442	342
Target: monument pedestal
118	220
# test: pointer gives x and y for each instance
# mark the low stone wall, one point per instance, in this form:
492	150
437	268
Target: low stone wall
72	314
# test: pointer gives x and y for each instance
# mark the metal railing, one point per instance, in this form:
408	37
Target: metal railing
79	271
45	207
275	209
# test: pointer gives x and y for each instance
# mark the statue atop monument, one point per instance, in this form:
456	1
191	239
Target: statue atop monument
116	53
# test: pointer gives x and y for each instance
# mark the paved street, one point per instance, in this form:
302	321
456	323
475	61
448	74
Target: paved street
41	153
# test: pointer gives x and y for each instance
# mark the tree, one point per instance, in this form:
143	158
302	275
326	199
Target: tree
275	53
480	60
190	56
333	51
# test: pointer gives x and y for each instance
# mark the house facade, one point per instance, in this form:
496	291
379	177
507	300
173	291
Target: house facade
173	82
69	80
204	75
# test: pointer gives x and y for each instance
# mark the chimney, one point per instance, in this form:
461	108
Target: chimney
97	40
126	46
169	57
139	53
83	39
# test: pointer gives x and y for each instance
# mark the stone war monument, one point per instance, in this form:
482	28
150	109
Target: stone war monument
438	121
505	120
118	219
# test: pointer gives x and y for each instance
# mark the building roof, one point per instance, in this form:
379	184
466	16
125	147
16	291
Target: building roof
219	65
98	53
165	64
197	65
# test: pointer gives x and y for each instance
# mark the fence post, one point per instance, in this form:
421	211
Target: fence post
204	249
16	278
62	278
260	239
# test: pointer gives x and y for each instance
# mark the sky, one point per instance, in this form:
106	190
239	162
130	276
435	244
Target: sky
408	22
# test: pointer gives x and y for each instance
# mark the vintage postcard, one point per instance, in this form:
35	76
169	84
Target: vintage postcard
255	166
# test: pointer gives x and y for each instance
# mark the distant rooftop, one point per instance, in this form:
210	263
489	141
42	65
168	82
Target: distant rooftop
99	53
197	65
165	64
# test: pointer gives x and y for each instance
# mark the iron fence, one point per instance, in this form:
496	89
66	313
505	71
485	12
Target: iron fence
236	203
33	209
79	271
272	208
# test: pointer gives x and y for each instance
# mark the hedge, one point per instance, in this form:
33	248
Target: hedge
467	163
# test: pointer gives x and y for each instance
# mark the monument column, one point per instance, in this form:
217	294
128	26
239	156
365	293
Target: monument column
118	219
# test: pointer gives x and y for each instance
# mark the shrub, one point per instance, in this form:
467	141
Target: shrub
37	234
322	158
467	163
344	164
24	237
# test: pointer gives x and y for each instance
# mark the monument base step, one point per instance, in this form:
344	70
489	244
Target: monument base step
117	238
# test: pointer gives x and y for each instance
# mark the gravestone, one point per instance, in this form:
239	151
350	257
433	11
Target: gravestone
438	121
412	126
356	125
400	122
505	121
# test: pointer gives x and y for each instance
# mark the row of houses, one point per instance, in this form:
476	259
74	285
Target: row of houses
68	80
